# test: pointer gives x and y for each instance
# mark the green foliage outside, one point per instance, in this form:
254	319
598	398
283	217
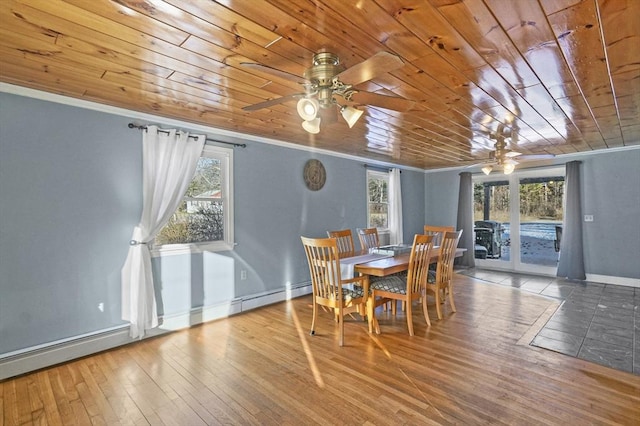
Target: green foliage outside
205	224
378	203
200	218
539	201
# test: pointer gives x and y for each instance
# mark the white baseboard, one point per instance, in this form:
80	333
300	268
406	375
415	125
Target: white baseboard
602	279
607	279
41	356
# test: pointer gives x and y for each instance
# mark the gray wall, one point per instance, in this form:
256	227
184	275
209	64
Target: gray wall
70	195
610	192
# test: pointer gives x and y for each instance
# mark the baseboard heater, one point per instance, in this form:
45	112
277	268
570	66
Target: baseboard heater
41	356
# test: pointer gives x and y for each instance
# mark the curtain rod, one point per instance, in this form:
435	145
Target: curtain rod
382	168
136	126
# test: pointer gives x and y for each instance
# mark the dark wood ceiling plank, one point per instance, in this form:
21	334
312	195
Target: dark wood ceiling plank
423	20
100	15
246	52
621	37
35	75
292	24
577	29
476	24
379	25
124	44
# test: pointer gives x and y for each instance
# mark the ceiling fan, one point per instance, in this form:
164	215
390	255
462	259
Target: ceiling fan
325	93
505	158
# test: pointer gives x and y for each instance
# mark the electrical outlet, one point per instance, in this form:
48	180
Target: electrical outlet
588	218
243	274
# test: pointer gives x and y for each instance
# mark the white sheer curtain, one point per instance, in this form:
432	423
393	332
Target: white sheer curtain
571	262
169	161
395	208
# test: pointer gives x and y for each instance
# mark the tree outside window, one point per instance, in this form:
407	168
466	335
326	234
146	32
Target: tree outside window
378	199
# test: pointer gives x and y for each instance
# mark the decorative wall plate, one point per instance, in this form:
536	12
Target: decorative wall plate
314	174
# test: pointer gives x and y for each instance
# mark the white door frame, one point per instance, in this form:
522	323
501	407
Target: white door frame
514	263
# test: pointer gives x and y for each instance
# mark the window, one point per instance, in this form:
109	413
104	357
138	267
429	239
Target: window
204	220
377	199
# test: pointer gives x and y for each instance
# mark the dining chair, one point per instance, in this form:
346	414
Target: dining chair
440	283
368	238
410	287
342	296
437	232
344	238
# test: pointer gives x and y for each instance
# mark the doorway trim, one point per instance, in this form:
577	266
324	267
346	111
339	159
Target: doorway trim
514	263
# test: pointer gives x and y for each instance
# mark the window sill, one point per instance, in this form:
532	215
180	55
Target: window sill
193	248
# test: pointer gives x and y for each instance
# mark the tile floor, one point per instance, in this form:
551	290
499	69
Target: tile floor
595	322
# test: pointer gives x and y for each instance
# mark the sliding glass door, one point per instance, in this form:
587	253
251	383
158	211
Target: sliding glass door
518	220
491	217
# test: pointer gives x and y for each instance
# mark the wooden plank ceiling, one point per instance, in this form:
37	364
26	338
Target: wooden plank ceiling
564	75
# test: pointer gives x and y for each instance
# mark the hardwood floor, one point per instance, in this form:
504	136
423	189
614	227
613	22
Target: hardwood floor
263	367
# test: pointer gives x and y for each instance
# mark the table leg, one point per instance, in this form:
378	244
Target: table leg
373	322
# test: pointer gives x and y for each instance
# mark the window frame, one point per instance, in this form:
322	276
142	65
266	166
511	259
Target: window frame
377	175
225	156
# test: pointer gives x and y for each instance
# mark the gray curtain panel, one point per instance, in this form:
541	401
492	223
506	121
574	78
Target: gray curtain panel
571	263
465	221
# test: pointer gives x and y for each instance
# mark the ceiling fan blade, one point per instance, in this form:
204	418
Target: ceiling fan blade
388	102
274	71
512	154
529	157
483	163
379	63
272	102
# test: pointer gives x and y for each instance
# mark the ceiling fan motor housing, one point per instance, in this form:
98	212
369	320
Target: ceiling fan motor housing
326	65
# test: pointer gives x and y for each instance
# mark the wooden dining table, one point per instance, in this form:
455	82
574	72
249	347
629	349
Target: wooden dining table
389	265
398	263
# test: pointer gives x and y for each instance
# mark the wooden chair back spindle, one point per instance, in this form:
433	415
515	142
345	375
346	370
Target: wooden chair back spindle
368	238
344	239
437	232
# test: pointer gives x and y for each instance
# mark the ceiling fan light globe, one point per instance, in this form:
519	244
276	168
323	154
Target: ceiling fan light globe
487	169
351	115
312	126
308	108
509	168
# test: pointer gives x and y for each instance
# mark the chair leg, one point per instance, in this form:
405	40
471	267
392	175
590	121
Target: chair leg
371	316
425	311
313	319
438	303
451	302
409	317
341	326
